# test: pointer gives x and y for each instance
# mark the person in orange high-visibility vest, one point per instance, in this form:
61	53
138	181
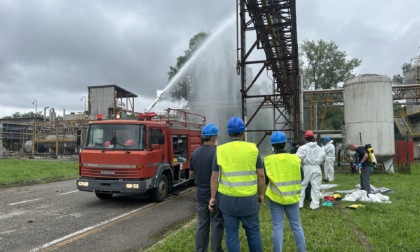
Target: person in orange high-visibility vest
283	191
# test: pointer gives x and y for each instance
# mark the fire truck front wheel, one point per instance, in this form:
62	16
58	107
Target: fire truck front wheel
159	193
103	195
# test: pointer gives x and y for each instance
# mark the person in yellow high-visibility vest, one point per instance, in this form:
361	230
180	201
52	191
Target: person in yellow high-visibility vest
283	191
238	180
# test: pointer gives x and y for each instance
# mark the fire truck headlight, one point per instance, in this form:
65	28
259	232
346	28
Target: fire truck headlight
132	186
83	183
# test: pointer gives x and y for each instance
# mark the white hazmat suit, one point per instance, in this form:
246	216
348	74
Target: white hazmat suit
312	156
329	150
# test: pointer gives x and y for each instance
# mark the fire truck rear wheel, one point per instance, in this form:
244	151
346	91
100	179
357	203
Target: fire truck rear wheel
159	193
103	195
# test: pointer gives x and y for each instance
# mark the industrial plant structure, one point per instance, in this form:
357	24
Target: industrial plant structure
49	136
273	24
110	100
368	115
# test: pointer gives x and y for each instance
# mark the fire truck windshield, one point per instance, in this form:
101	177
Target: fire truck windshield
116	137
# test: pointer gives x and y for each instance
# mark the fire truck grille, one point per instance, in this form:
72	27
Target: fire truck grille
110	173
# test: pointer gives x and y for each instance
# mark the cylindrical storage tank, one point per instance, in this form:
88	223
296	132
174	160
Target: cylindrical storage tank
28	146
66	141
38	147
368	114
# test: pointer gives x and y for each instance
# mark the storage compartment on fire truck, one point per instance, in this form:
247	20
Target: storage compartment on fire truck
180	147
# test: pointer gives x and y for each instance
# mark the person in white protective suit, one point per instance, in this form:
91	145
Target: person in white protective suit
329	150
312	156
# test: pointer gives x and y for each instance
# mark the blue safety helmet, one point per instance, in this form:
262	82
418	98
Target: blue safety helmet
278	137
327	138
209	130
235	125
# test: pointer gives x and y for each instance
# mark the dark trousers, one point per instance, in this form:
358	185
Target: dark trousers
207	221
365	179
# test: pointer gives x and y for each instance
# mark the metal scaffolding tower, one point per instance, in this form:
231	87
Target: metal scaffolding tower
273	23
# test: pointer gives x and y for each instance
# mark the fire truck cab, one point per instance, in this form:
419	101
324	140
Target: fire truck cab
149	154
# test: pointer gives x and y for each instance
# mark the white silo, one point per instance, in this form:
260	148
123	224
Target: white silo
368	115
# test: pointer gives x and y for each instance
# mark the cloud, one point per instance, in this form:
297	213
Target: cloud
52	51
383	34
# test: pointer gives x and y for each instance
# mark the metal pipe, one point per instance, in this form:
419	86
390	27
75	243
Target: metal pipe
52	114
301	108
45	109
326	131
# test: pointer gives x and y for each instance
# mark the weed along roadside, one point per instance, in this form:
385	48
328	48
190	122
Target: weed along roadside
19	172
365	227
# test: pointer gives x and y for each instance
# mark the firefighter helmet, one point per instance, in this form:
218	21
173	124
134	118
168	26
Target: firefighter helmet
278	137
235	125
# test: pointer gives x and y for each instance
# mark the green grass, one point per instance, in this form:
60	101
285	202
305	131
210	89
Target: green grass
376	227
18	172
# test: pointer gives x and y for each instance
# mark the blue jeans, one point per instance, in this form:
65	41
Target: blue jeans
251	224
293	215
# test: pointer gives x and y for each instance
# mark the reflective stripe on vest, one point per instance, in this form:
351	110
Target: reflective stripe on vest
290	193
237	161
283	172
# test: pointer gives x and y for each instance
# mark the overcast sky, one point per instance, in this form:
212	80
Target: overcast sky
52	50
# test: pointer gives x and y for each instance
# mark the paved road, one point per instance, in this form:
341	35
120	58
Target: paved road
58	217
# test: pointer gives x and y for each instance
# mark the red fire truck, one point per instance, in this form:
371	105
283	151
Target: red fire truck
148	154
